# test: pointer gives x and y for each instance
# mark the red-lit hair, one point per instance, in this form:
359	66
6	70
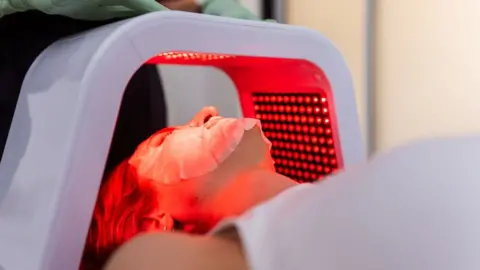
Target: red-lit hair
126	206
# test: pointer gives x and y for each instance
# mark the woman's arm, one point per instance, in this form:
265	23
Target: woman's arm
170	251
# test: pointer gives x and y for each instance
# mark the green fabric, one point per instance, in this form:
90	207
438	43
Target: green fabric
83	9
109	9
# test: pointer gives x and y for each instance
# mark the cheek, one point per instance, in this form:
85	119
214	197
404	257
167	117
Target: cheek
181	202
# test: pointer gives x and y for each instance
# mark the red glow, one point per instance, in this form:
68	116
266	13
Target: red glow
192	58
126	206
293	99
284	79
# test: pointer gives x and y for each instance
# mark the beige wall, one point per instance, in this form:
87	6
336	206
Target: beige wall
342	21
427	62
427	69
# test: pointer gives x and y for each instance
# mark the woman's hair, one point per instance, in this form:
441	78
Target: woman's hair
126	206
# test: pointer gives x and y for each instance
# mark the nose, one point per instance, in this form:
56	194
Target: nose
203	116
207	117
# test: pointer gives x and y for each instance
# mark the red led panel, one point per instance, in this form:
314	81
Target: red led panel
299	127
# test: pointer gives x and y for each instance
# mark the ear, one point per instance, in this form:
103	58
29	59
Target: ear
166	222
159	222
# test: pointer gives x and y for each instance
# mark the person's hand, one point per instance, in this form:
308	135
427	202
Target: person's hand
181	5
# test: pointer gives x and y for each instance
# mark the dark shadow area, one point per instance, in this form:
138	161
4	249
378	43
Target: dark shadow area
142	112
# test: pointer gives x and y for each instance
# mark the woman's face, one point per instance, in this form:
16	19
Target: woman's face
192	162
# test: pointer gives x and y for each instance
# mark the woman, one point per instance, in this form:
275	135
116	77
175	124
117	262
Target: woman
185	178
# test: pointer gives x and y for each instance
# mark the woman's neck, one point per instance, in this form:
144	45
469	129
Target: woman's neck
245	190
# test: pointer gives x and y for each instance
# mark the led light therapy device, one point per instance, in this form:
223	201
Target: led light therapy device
292	79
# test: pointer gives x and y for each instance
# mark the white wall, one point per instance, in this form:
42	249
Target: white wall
427	69
343	22
203	86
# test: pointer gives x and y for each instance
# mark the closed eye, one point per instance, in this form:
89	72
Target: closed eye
159	137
